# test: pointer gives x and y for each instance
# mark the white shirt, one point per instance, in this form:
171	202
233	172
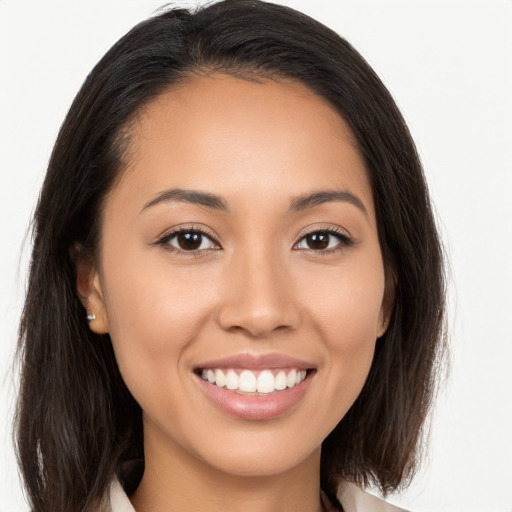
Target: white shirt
351	497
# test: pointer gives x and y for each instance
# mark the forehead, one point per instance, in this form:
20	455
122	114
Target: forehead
226	135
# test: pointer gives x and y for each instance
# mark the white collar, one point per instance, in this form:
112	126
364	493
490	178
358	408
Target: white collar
351	497
354	499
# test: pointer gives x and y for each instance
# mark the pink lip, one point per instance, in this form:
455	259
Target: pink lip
257	362
251	407
256	407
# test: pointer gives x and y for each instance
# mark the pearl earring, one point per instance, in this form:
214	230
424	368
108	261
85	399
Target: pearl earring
91	317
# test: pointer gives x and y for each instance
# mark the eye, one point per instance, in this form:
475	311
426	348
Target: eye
325	240
189	240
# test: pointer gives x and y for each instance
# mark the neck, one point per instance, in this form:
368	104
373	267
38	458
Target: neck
175	480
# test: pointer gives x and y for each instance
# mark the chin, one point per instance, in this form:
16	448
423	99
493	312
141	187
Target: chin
262	457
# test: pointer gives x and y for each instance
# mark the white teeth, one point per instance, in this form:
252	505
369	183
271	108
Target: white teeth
280	381
291	379
266	382
247	381
220	379
231	380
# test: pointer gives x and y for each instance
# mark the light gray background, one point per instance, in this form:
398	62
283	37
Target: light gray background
448	64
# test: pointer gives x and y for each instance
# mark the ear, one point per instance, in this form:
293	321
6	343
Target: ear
88	284
388	302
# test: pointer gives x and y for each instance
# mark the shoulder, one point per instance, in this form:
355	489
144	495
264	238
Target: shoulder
354	499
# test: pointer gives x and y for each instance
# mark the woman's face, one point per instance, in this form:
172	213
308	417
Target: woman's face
240	277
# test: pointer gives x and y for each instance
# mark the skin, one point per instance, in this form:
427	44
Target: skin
256	288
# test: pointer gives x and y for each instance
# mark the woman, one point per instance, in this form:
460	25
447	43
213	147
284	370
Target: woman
223	305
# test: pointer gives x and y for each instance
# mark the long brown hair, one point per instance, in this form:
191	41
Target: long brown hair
77	423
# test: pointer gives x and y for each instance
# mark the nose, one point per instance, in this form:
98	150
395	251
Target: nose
258	297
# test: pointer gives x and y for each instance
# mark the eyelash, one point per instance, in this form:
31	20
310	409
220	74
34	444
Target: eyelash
344	241
164	241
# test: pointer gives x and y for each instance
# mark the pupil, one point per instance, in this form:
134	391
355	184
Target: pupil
318	241
189	241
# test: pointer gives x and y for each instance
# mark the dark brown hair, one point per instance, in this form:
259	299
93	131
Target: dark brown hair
76	421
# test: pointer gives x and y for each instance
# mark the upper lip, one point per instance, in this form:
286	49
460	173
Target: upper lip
257	362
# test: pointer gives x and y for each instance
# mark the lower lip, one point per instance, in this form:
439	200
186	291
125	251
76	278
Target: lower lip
255	407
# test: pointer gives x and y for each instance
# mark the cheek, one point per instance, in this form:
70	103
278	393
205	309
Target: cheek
345	308
154	314
346	301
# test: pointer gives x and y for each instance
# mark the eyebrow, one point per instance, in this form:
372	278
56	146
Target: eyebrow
189	196
215	202
310	200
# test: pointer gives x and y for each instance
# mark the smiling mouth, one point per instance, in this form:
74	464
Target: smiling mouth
250	382
256	388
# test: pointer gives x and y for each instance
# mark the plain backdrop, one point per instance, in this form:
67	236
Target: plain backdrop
449	66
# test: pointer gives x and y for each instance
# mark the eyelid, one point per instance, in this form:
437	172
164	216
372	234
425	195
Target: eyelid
345	238
169	233
329	228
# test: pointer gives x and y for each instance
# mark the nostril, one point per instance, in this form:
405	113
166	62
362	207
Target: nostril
242	318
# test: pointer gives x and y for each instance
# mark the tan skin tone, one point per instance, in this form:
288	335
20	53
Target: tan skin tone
259	282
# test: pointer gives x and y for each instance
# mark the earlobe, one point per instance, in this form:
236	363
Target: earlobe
90	292
387	306
383	324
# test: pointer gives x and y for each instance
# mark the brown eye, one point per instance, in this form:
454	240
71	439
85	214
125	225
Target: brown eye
191	241
318	241
323	240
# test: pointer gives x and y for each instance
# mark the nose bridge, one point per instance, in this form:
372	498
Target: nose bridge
257	296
